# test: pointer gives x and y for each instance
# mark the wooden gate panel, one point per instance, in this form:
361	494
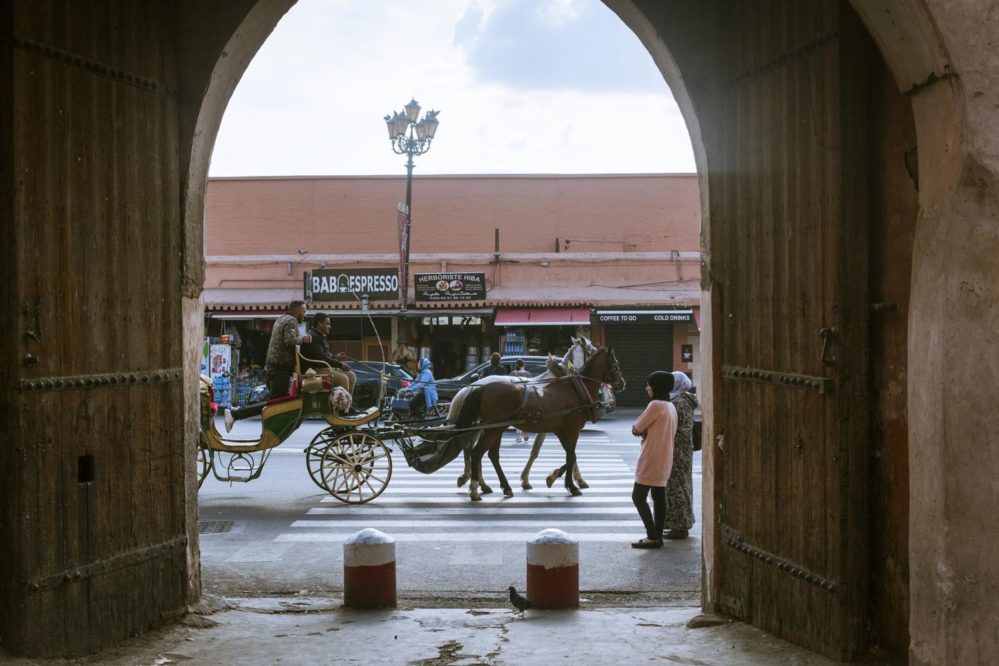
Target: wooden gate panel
100	524
791	215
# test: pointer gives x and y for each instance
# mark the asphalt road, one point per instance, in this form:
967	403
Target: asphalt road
280	534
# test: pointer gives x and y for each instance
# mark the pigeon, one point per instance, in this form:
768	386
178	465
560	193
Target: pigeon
519	602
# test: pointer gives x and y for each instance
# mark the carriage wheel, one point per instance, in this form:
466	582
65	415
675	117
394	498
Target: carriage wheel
204	461
356	467
314	455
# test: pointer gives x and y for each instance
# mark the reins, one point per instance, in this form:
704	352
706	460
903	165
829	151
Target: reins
498	424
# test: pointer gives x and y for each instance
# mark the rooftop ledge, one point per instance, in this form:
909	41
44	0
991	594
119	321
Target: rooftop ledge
458	257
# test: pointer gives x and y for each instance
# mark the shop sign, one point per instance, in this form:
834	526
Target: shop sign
645	317
437	287
349	284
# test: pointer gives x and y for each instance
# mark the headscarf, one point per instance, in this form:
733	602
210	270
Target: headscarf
681	384
425	381
661	383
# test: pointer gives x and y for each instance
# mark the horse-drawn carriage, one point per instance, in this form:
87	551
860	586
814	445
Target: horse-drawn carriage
351	458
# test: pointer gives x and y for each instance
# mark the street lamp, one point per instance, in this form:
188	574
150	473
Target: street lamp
409	137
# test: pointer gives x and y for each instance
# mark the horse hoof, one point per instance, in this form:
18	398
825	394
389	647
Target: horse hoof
525	485
549	480
508	492
461	481
476	499
485	490
575	492
584	485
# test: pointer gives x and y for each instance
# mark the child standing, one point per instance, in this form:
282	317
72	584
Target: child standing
657	428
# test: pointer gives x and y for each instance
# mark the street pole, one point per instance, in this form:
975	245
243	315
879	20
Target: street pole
405	238
409	137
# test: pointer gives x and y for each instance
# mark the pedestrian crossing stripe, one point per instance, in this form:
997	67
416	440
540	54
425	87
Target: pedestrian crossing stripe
480	510
609	472
422	483
454	489
465	537
565	524
525	497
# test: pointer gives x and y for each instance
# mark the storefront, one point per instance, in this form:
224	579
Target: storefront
455	340
235	351
644	340
451	328
540	331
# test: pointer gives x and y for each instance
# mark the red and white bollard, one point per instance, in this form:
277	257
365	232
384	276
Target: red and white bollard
369	570
553	570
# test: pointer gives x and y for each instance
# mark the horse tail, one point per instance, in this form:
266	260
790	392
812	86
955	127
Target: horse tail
469	404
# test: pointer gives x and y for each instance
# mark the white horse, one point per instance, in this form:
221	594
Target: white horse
574	358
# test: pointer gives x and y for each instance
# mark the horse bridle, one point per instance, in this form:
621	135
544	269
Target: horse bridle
614	370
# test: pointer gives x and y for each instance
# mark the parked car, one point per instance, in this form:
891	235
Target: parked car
366	388
448	388
368	372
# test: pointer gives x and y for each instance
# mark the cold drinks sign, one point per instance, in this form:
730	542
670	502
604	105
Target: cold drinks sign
644	316
349	284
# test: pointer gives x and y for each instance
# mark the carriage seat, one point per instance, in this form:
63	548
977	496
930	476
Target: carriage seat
293	394
353	420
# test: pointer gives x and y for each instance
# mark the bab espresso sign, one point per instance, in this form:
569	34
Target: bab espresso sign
349	284
436	287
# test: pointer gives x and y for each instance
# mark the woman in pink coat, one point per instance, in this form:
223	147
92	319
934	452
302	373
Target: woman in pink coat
657	428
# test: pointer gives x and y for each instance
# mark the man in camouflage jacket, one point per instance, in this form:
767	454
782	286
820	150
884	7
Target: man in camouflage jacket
280	361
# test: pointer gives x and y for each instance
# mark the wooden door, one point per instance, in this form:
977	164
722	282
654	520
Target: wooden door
789	228
93	476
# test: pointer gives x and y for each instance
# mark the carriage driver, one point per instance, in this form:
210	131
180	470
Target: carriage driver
316	354
280	361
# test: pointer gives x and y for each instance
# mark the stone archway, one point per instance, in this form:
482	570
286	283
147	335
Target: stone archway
958	160
939	57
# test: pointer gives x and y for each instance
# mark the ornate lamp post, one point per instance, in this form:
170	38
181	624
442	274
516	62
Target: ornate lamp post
409	137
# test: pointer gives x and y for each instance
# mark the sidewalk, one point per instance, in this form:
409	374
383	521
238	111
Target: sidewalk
313	631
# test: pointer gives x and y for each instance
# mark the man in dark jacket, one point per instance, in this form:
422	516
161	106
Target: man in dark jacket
316	354
494	367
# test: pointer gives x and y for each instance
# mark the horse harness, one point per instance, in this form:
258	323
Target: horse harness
588	403
535	413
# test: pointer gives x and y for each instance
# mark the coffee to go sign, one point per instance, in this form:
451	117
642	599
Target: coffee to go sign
645	316
349	284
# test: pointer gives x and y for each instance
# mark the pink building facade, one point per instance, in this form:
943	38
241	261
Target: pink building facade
515	264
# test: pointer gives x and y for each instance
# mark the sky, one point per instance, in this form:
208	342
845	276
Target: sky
522	86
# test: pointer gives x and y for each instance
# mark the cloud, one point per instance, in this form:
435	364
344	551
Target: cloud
312	100
554	45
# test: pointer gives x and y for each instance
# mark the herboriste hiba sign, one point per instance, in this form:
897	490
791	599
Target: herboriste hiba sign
349	284
438	287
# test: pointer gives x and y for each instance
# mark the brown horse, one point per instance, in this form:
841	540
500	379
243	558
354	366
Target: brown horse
561	407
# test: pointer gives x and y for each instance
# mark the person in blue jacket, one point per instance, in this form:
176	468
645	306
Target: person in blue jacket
425	380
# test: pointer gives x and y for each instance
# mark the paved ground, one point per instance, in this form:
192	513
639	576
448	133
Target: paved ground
310	632
274	574
284	535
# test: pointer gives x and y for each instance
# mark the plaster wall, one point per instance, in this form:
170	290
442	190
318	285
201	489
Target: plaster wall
953	346
944	56
954	373
514	270
627	213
